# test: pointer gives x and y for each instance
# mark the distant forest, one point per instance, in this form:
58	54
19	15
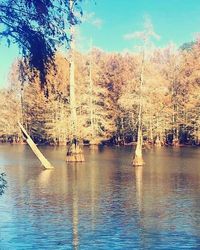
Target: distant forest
107	94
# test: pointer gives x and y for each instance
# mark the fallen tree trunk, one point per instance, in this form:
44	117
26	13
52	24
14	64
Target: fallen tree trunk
46	164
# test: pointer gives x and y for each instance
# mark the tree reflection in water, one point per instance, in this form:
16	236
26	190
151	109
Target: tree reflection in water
75	242
3	183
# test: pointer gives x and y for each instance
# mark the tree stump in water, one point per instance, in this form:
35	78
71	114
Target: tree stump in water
94	147
158	142
75	153
175	142
138	160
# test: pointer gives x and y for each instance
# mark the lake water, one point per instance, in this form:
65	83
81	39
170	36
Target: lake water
103	203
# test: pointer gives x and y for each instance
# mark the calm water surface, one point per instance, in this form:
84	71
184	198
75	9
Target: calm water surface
103	203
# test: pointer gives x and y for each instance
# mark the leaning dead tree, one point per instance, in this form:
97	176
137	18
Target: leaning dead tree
45	163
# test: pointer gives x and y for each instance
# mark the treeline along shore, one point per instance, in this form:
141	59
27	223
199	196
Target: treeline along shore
107	94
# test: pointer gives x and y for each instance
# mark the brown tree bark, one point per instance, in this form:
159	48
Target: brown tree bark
75	153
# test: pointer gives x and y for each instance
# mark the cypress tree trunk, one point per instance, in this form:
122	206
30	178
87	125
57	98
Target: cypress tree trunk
91	103
74	152
197	137
138	160
150	131
158	137
158	141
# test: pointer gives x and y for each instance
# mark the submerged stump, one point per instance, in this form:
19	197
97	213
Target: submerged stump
75	153
175	142
138	159
158	142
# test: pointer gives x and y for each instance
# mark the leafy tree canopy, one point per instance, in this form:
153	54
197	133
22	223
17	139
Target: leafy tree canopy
187	46
37	27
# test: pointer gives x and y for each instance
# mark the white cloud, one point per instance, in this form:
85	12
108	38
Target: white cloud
144	35
97	22
90	17
133	35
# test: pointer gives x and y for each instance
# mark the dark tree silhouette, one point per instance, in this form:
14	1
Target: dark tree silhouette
37	27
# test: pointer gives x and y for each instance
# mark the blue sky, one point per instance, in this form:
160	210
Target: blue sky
173	20
107	21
